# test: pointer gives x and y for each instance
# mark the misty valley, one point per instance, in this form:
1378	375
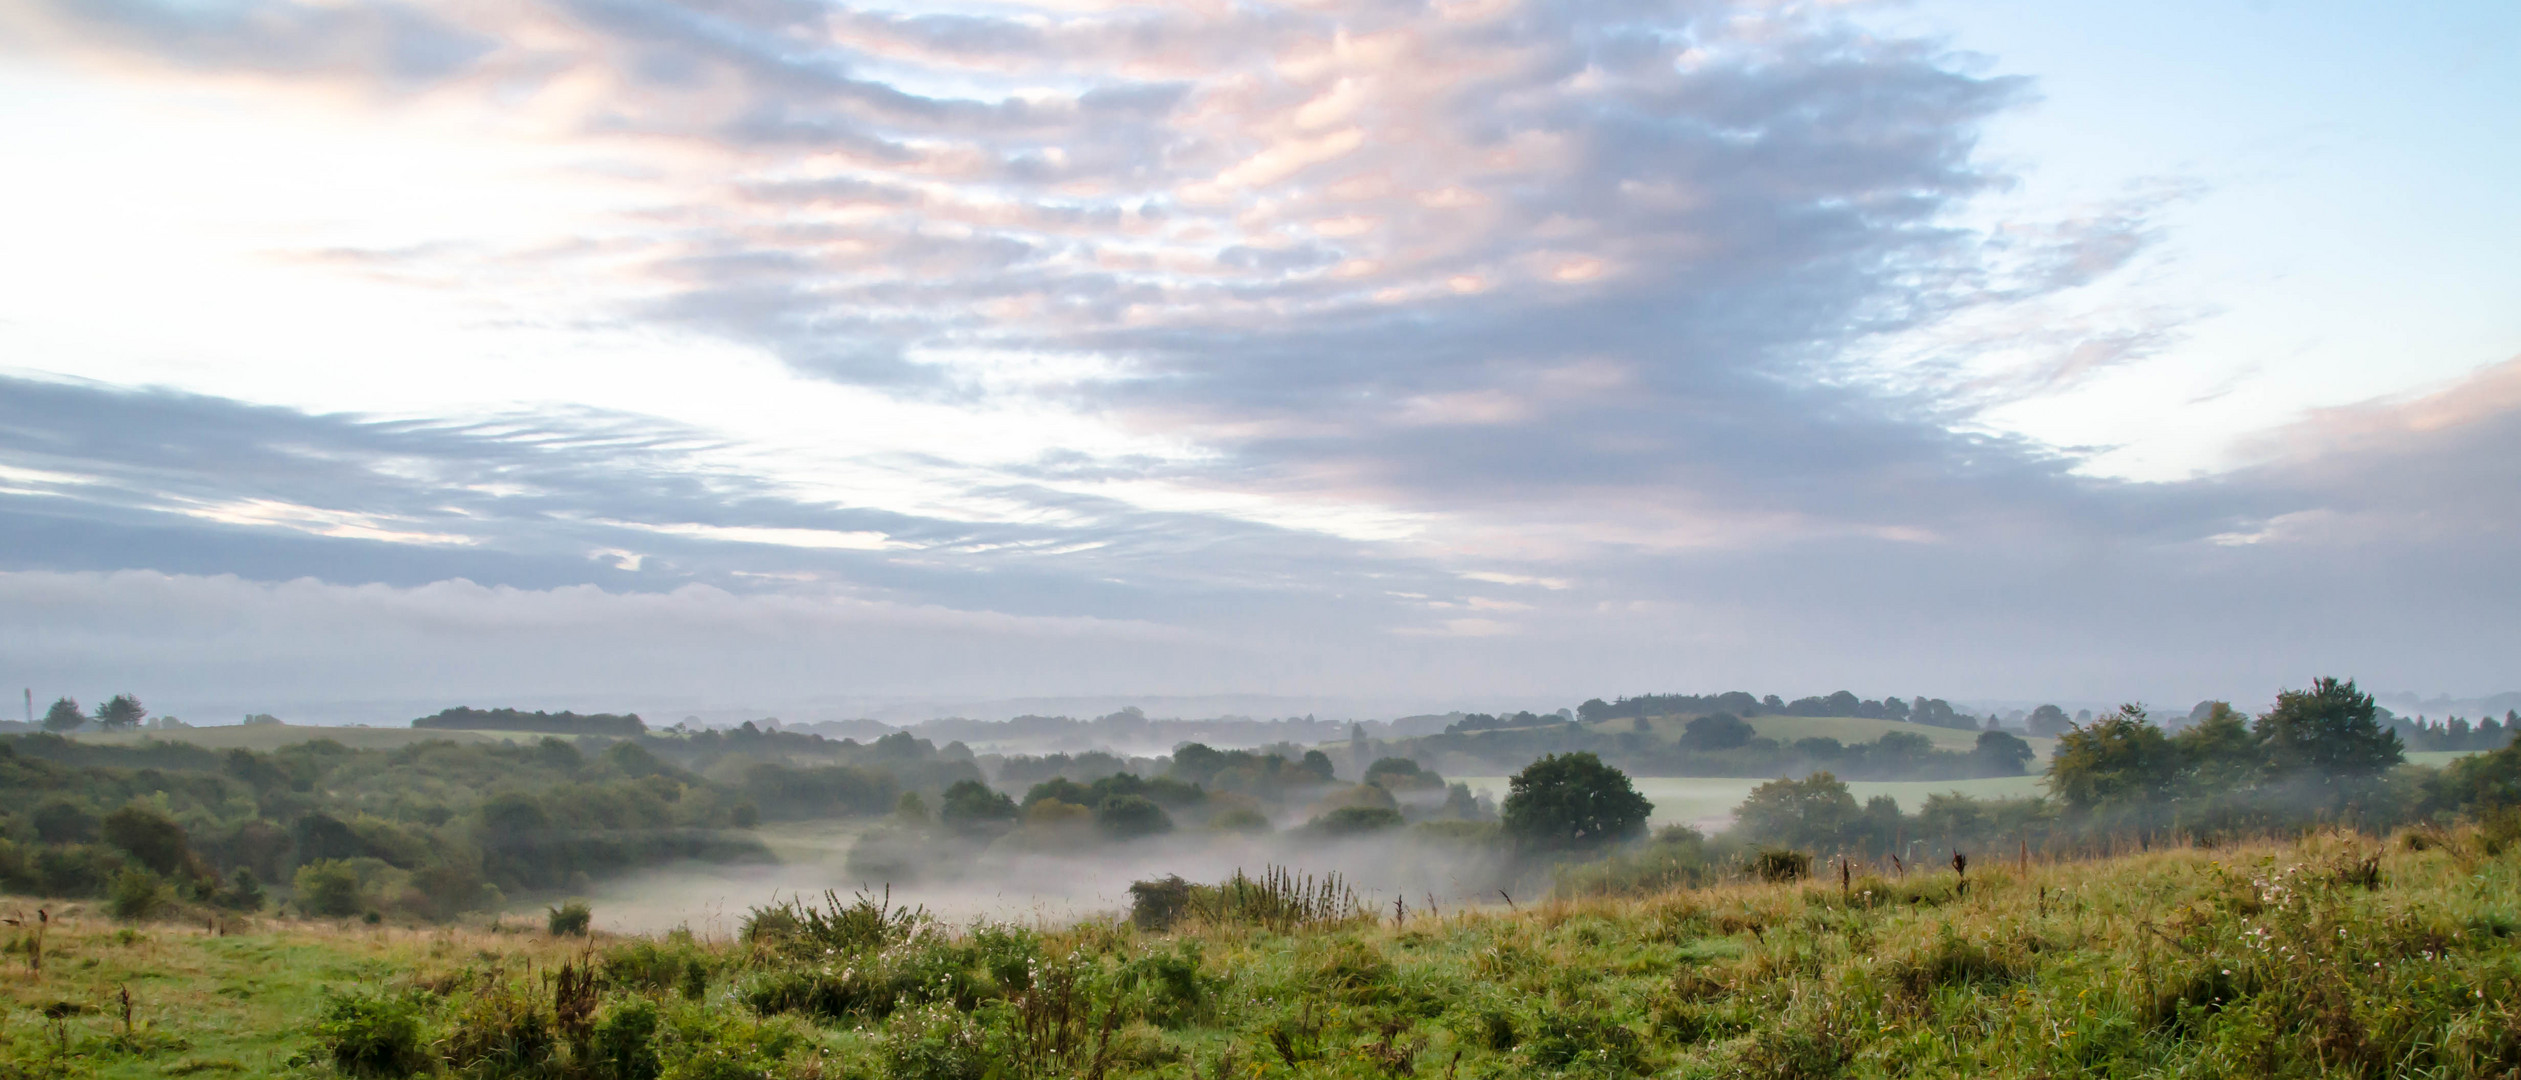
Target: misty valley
1607	890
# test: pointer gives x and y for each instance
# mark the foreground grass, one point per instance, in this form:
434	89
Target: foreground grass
2336	956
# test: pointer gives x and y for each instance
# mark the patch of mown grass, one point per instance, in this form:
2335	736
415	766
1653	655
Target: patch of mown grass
2334	956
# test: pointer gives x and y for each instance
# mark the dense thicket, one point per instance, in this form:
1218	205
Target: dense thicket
431	829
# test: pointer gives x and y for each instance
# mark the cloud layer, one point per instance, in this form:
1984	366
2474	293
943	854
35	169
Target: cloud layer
1472	347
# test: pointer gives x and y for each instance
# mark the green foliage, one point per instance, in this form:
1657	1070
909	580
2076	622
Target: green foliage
674	965
798	928
451	823
623	1046
327	887
972	806
2002	753
373	1035
2330	731
64	715
1814	812
138	894
1717	731
2480	783
121	713
1780	864
570	919
242	892
1131	817
149	836
1279	899
2116	761
562	723
1156	905
1573	801
1355	821
62	821
1676	858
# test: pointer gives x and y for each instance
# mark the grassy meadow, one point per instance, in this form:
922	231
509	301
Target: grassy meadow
2339	955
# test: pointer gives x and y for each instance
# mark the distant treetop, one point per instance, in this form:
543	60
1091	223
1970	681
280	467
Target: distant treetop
463	718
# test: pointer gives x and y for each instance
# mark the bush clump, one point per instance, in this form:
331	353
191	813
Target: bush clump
571	919
373	1035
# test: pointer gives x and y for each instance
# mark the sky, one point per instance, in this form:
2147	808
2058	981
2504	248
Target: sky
360	357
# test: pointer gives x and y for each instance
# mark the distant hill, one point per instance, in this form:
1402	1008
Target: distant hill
462	718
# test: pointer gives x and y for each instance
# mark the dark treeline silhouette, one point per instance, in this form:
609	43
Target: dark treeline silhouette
2456	733
462	718
1714	744
1924	710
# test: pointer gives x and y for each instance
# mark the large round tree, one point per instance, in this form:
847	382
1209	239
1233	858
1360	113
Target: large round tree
1573	801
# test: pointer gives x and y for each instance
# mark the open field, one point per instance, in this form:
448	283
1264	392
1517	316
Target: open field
1706	802
2341	955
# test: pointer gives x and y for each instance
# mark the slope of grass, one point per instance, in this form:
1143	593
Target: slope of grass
2337	956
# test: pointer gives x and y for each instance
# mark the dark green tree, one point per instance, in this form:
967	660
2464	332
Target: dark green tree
972	806
2331	731
121	712
1814	812
148	835
2218	751
64	716
2047	720
2119	760
1573	801
1128	817
61	821
1317	765
2001	753
1717	731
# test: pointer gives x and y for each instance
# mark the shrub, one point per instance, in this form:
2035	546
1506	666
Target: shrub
150	836
1129	817
934	1044
1355	821
244	892
1156	905
570	919
328	887
1573	800
866	922
137	894
1780	864
657	967
1676	859
1240	819
373	1035
623	1046
501	1031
